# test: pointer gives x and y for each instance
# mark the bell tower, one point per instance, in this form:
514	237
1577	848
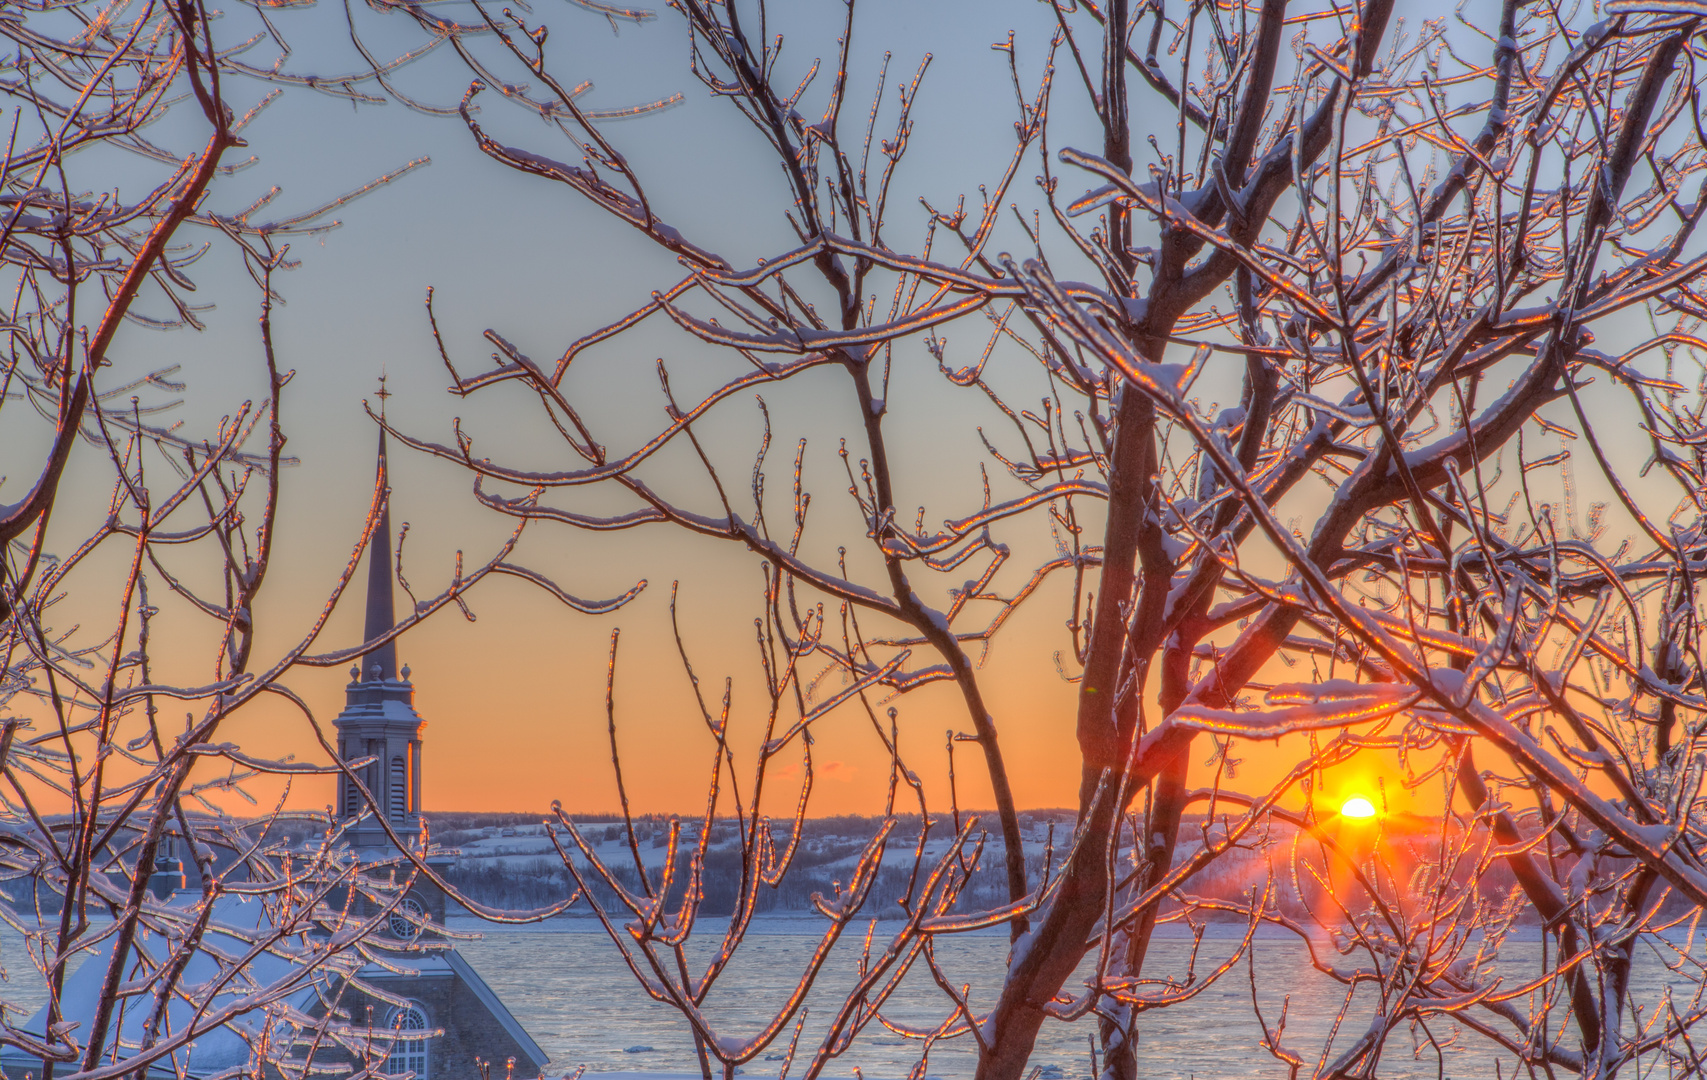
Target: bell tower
379	725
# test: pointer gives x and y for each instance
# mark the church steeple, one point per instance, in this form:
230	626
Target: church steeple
379	723
381	664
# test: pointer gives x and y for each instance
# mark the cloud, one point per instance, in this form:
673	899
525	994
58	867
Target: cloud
835	772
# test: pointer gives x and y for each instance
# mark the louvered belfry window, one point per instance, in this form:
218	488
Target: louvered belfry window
352	794
399	790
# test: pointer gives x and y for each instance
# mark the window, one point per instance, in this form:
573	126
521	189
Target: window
371	774
408	1054
399	791
406	919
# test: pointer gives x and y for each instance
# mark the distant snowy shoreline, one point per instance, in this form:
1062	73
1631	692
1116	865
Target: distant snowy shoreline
803	924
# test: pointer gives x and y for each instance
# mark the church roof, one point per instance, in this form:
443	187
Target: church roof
289	979
286	984
496	1007
452	963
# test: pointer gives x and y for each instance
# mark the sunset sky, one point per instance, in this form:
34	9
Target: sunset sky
515	700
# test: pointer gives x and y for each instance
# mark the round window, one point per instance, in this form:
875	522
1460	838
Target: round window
407	918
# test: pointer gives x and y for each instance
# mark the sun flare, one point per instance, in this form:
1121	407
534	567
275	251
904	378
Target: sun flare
1357	807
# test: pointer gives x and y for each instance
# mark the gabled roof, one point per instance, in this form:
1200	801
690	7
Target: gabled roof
450	962
286	976
290	976
511	1027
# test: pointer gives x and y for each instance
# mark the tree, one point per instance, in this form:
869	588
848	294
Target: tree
107	795
1408	252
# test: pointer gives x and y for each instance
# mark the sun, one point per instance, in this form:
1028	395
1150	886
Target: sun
1357	807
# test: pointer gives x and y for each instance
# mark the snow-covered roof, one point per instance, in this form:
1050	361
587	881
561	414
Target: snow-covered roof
228	1002
232	1002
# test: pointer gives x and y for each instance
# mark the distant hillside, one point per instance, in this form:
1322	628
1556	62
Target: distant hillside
508	860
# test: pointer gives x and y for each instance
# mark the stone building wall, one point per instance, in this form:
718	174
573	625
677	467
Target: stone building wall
469	1030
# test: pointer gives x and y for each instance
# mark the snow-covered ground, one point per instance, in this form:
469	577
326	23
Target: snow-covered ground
524	847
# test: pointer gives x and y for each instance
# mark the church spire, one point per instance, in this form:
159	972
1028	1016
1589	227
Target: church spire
380	618
379	722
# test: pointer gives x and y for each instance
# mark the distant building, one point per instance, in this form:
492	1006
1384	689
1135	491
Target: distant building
379	722
439	991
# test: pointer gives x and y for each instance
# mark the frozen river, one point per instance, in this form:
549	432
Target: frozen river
571	990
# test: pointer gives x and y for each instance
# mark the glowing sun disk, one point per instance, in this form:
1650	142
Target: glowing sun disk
1357	807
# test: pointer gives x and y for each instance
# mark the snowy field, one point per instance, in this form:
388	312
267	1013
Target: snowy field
527	844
